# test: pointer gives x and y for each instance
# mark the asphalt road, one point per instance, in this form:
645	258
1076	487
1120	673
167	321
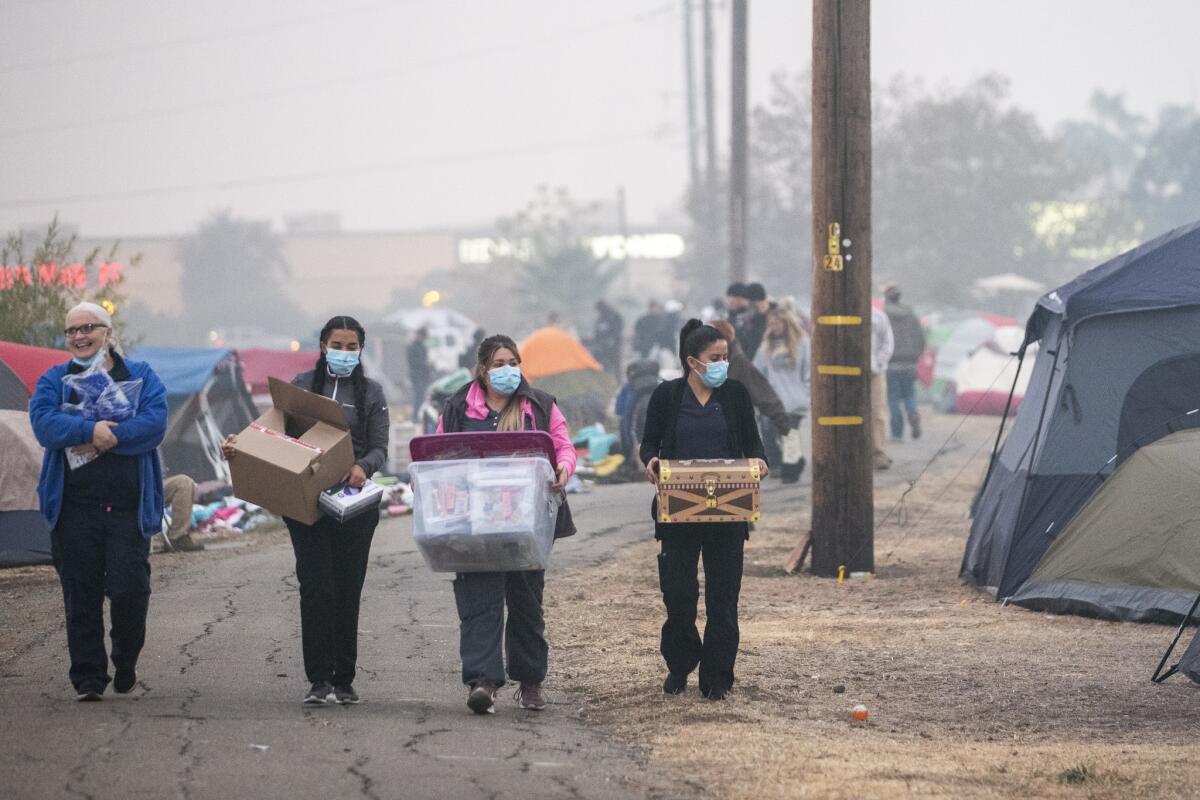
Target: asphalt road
217	711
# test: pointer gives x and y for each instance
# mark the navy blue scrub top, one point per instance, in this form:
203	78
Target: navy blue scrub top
701	430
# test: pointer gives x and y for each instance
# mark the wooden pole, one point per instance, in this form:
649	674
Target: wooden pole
689	80
843	512
738	145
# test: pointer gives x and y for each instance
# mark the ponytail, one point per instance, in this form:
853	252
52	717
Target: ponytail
694	339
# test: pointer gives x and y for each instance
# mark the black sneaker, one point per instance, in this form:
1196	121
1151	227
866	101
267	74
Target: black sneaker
90	693
482	698
530	696
318	695
124	681
345	696
914	421
675	684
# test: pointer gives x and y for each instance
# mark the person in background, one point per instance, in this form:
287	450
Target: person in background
704	414
646	330
500	399
784	359
736	303
881	354
179	495
775	419
902	369
641	378
102	513
751	321
466	359
607	337
331	556
420	372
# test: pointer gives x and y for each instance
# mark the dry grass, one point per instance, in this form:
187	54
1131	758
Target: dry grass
967	698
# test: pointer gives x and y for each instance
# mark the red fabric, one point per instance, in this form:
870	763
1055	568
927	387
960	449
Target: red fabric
985	403
30	363
258	364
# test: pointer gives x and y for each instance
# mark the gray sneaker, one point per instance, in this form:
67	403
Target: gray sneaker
345	696
318	695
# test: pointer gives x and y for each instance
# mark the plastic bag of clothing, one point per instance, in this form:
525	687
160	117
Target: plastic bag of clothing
99	397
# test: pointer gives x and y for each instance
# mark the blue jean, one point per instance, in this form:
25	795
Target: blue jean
902	396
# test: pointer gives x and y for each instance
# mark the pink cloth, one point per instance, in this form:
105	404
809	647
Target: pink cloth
564	451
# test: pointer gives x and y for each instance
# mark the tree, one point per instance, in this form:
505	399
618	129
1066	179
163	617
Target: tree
234	274
1164	189
545	249
37	291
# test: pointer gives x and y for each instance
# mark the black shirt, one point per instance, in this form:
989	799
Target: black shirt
701	430
488	424
111	479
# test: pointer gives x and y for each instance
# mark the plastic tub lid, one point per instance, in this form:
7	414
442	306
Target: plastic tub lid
482	444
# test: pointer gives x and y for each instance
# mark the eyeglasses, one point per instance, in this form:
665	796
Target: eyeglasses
86	330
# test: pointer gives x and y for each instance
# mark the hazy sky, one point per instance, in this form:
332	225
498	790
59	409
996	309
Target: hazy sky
143	116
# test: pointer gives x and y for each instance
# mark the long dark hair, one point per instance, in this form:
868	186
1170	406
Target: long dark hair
510	417
357	378
694	339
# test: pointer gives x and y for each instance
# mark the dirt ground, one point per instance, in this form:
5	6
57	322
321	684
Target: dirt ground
966	698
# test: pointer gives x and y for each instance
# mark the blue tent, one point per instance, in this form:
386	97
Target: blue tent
1118	369
207	399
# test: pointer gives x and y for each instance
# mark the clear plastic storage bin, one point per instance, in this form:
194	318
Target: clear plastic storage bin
484	515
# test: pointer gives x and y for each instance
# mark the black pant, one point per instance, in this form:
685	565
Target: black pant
481	598
331	565
99	551
721	545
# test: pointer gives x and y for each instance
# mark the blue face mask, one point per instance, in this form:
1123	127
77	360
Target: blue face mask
715	373
88	363
504	380
341	362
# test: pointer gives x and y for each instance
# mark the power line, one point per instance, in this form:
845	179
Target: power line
304	88
300	177
171	44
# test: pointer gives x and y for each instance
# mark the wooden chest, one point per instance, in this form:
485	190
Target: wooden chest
708	490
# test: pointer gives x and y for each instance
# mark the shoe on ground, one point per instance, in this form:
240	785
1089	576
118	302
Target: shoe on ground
716	692
90	693
914	421
482	698
318	695
883	462
186	544
124	681
345	696
530	696
675	684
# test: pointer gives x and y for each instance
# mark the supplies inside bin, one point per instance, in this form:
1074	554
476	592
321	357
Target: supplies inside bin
484	515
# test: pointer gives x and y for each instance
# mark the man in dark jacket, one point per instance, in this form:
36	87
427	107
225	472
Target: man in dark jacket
647	329
776	421
607	337
902	369
419	371
750	317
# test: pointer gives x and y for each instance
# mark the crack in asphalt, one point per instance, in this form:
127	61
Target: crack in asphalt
78	774
229	611
366	782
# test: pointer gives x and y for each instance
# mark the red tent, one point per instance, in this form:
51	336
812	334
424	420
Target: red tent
258	364
30	363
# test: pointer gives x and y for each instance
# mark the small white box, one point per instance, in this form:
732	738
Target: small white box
343	503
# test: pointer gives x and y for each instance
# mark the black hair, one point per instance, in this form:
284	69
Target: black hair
755	292
736	290
358	378
694	339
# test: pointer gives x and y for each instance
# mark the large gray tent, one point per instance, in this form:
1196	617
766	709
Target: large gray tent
1118	370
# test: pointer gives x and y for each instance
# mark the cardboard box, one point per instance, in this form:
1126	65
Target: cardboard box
342	503
708	490
296	450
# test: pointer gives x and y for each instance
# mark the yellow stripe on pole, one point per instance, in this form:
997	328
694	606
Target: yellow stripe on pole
836	421
839	320
830	369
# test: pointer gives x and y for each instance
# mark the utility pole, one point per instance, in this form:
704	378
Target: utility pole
843	512
693	130
710	116
738	145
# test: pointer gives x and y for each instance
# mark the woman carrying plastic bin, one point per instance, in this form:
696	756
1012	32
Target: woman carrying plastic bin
331	556
701	415
500	399
101	418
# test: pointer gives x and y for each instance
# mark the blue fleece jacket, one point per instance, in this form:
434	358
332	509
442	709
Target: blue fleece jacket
139	436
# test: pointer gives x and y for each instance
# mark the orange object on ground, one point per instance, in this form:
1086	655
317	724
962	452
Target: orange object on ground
553	351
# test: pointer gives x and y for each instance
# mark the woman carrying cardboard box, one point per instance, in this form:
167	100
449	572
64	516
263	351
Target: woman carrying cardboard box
702	415
500	399
331	556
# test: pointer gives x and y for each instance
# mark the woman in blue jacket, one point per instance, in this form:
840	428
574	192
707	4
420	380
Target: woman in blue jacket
102	513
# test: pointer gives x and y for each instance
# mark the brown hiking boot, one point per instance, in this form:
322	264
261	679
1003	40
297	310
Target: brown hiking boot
530	696
482	698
